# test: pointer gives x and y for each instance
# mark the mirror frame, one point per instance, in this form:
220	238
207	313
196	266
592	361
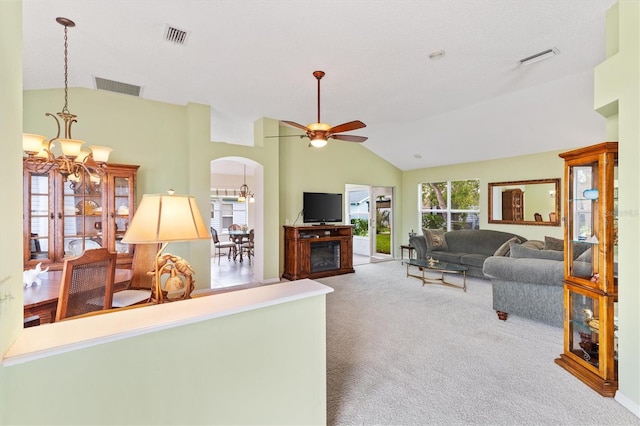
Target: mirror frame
555	181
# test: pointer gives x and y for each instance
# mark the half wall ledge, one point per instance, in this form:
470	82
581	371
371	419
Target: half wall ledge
56	338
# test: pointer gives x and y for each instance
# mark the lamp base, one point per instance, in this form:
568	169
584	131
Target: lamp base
178	285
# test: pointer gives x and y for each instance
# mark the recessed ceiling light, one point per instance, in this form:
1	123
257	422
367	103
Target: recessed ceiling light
545	54
437	54
417	156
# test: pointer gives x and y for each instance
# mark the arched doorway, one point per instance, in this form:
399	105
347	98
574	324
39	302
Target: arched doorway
227	177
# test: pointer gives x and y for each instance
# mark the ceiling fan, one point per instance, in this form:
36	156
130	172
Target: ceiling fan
320	132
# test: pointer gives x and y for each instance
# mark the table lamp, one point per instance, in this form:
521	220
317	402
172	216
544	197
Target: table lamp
163	219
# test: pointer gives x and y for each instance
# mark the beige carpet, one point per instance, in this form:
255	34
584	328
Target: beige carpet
402	354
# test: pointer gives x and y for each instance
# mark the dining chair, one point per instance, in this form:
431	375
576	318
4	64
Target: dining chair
86	284
552	217
139	288
219	245
537	217
247	247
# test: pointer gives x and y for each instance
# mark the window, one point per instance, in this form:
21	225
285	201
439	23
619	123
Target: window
450	205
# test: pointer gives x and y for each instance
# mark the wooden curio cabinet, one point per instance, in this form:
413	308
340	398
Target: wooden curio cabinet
62	218
591	281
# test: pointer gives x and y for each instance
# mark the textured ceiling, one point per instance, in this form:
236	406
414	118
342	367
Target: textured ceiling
251	59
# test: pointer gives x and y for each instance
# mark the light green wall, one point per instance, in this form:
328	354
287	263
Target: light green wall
526	167
617	97
265	366
10	174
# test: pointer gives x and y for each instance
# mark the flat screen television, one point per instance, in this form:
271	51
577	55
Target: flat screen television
321	207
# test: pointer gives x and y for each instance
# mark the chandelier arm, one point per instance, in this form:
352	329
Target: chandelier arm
48	114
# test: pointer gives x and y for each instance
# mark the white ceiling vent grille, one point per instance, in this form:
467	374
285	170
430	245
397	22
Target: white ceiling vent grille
117	87
176	35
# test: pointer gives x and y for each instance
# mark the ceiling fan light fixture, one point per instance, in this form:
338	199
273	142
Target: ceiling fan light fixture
319	126
318	142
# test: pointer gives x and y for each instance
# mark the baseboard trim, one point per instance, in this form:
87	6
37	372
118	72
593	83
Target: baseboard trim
627	403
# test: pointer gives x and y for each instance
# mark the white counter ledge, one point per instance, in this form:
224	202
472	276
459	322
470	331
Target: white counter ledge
52	339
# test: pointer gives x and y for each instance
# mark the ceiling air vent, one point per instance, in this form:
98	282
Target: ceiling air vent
176	36
545	54
117	87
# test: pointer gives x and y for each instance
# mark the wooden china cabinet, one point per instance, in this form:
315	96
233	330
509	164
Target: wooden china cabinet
513	205
62	218
591	259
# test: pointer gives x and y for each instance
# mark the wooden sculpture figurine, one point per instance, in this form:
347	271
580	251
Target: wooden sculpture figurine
180	276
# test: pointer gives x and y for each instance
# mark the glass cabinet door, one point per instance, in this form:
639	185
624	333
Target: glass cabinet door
122	202
592	224
593	337
40	219
82	210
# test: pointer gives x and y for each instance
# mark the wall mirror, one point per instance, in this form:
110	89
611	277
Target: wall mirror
525	202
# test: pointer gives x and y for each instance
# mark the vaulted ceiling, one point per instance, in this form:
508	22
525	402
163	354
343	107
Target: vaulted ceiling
254	58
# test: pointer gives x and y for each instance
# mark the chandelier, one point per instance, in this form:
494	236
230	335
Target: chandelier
244	190
75	161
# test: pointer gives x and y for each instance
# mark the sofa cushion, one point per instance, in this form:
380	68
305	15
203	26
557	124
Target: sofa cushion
534	271
504	249
435	239
518	251
476	260
551	243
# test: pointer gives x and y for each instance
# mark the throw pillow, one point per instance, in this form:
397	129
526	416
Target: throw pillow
551	243
518	251
504	249
585	256
435	239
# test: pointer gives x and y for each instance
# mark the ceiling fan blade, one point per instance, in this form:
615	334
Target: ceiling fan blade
294	124
349	138
347	127
287	136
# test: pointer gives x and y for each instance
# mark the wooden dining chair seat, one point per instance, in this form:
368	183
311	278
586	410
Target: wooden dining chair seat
86	284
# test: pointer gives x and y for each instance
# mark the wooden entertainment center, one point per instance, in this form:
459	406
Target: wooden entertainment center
317	251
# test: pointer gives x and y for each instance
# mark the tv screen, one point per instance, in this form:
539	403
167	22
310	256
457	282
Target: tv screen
321	207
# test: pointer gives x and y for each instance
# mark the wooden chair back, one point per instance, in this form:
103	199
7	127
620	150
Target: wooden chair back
144	260
87	283
537	217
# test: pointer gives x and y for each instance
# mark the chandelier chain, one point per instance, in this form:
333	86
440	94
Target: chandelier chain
65	109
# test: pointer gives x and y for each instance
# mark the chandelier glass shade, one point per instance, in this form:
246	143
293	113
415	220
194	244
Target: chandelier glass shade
244	190
74	160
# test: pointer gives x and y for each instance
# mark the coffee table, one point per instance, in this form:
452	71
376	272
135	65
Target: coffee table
440	267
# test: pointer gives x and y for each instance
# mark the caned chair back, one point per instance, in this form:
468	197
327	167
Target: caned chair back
235	227
87	283
144	259
552	217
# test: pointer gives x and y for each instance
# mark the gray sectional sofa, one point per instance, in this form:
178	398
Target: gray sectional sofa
530	282
465	247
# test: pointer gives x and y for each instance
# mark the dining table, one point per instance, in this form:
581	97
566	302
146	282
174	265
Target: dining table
42	300
238	237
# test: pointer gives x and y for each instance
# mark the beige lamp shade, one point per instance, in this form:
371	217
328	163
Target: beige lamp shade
71	147
166	218
100	153
32	143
